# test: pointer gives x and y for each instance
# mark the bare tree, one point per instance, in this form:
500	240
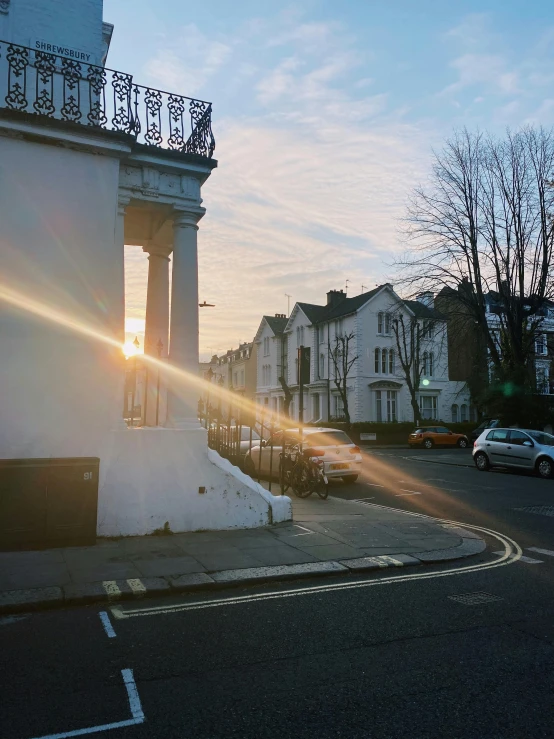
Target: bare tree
282	377
340	356
482	227
419	345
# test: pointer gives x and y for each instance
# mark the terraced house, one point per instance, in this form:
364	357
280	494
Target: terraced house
384	345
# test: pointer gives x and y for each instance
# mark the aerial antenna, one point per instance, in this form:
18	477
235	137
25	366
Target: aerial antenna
346	286
288	297
363	287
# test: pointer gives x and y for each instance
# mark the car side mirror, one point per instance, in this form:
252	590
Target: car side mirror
263	442
450	433
528	443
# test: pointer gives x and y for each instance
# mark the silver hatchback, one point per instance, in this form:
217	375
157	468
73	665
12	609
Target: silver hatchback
518	448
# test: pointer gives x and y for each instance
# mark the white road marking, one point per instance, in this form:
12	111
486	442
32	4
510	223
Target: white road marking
112	591
527	560
512	553
134	704
408	492
132	692
548	552
374	485
136	586
107	624
307	531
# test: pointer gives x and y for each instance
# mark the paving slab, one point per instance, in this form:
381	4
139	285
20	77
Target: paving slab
379	562
171	566
36	575
334	537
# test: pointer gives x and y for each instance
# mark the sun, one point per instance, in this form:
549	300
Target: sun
129	349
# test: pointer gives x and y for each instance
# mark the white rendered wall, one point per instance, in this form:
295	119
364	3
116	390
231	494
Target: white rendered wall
152	476
61	391
76	24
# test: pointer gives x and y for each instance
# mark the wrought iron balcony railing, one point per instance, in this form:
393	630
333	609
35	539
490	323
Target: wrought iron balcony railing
67	89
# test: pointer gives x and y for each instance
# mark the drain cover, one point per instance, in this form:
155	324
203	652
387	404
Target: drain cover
542	510
474	599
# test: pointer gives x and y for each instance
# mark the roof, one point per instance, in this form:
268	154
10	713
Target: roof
277	325
420	310
313	312
348	305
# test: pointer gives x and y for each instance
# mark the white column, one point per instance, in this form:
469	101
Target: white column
117	270
157	300
156	331
183	341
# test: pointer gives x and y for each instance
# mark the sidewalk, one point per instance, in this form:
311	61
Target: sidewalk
326	537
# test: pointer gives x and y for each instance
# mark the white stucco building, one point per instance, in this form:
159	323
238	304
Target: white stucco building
91	160
377	387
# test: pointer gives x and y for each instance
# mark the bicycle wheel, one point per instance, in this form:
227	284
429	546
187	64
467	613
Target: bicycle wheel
322	486
284	477
301	480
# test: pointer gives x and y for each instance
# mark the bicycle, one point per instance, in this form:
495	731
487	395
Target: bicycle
308	476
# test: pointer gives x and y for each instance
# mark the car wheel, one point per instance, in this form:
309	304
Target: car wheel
347	479
545	468
463	443
481	461
428	443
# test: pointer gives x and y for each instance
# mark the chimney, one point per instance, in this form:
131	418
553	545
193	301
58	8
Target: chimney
427	299
334	297
280	315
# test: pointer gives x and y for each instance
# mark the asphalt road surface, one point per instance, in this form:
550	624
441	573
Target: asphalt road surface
464	650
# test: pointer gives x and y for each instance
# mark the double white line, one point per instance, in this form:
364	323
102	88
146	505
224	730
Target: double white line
511	553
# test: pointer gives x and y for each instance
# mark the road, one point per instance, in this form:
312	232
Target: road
463	650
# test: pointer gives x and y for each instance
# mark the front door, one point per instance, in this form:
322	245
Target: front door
520	455
496	446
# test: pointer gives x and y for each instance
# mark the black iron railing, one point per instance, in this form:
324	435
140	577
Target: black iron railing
66	89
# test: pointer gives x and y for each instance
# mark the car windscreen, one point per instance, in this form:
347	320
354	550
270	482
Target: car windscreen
326	438
541	438
245	434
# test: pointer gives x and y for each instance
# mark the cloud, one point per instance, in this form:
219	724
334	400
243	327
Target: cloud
189	62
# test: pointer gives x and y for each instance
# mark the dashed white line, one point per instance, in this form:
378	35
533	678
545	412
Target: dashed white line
548	552
374	485
107	624
407	492
527	560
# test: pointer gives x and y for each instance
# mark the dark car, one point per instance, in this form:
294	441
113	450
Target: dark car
488	423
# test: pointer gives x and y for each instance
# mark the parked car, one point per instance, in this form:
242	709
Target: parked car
430	436
521	448
488	423
341	458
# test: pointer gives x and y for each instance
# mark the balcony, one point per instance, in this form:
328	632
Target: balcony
65	89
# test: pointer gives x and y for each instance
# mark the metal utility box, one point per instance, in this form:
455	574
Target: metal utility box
48	502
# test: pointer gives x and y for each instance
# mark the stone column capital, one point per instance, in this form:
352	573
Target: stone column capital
157	250
187	218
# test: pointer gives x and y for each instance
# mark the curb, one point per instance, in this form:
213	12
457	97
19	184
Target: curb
110	591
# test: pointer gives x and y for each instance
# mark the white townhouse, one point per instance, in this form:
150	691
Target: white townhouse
377	387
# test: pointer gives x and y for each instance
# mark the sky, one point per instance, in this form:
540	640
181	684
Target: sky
325	116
